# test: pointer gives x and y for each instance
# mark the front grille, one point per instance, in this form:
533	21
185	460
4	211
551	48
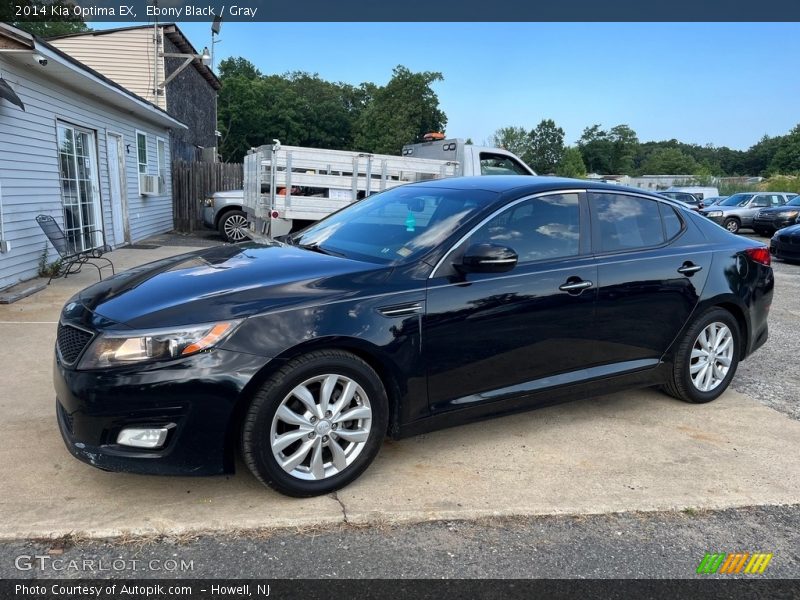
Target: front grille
71	342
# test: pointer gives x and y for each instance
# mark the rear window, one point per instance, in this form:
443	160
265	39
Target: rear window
621	222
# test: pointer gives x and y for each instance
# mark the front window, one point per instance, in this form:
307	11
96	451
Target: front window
542	228
794	201
736	200
396	225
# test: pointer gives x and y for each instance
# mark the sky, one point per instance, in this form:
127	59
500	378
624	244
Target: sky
726	84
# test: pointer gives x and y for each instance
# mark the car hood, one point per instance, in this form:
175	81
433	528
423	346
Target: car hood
790	230
226	282
780	209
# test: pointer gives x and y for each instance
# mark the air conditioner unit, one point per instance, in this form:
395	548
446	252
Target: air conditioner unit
149	185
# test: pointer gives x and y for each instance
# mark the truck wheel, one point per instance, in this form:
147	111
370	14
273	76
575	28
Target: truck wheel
732	225
233	226
706	358
316	424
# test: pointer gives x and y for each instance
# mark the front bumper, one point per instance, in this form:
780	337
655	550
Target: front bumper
197	397
785	247
209	215
773	224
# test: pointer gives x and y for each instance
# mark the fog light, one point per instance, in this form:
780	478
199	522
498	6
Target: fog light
143	438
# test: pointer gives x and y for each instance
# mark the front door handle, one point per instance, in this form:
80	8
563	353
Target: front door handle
689	269
575	286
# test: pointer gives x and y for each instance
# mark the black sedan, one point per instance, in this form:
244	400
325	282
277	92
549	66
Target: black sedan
422	307
785	244
769	220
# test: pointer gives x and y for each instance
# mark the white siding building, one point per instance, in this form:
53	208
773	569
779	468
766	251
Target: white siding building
81	151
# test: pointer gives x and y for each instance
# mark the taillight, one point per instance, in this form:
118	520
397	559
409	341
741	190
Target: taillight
760	255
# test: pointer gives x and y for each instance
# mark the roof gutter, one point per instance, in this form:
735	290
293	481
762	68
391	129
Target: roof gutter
155	114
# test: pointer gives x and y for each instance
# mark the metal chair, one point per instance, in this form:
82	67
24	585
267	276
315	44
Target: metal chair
72	259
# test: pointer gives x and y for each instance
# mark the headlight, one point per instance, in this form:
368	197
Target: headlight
209	201
714	213
790	214
119	348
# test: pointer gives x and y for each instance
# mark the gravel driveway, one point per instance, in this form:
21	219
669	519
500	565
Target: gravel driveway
770	375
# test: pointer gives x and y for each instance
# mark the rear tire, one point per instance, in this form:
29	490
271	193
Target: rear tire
705	362
732	225
297	443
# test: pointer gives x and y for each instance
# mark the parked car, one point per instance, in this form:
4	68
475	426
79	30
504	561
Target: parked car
701	192
684	197
223	211
785	244
713	200
768	221
425	306
739	210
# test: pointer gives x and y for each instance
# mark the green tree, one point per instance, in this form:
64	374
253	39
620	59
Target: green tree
624	146
596	149
571	164
669	161
299	109
45	29
786	159
514	139
758	157
546	146
402	111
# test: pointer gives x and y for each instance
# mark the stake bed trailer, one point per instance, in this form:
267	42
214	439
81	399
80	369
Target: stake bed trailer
284	185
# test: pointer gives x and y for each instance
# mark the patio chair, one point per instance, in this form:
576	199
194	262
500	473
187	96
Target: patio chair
72	259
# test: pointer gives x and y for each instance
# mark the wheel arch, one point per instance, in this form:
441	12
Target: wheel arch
224	211
367	352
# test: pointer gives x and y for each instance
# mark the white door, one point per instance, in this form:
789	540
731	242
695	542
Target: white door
116	178
80	190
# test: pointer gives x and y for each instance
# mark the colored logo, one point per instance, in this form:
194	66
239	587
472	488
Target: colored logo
734	563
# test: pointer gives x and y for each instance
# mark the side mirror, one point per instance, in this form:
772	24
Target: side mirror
487	258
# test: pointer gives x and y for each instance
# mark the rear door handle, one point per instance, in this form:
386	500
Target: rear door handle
575	286
689	269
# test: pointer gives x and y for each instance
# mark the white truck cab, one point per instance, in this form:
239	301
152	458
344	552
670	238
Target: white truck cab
471	159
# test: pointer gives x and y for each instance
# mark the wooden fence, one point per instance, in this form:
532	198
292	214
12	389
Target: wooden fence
193	182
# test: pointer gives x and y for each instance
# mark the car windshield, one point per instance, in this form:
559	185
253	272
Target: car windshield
736	200
395	225
794	201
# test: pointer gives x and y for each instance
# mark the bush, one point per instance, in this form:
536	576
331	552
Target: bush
783	183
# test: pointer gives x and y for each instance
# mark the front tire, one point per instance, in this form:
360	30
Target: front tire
316	424
732	225
706	358
233	226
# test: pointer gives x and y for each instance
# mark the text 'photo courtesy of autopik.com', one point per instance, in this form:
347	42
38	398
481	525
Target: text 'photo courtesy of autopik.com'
399	299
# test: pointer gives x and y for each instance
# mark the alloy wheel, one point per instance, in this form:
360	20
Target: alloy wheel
235	228
711	357
321	427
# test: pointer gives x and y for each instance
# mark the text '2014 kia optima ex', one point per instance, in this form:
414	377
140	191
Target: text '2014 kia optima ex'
421	307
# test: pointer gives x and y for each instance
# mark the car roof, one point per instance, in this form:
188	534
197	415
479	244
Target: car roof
526	184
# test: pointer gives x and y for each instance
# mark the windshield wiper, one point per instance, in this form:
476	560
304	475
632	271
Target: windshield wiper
315	247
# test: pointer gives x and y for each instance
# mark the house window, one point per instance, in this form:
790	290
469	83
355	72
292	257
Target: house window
141	147
161	147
